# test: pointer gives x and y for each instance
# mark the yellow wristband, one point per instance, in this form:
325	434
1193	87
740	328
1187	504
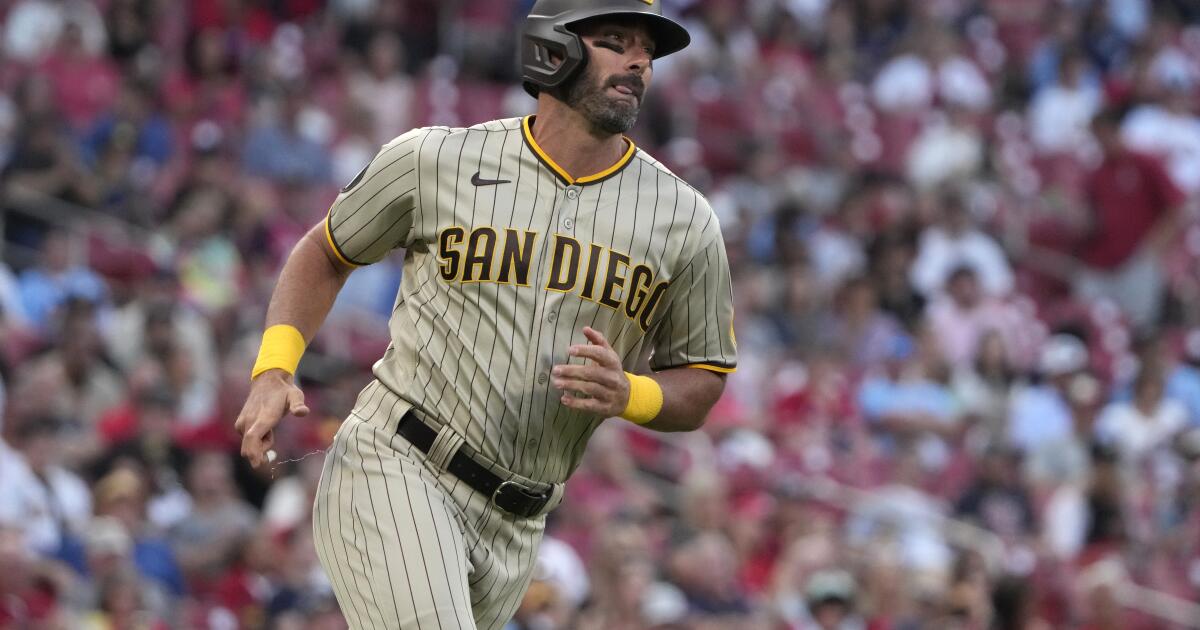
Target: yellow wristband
282	347
645	399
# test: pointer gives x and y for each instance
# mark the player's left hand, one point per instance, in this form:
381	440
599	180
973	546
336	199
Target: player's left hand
600	386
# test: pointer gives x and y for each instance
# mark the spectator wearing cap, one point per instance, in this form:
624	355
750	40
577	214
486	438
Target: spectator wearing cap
1135	214
1041	413
830	598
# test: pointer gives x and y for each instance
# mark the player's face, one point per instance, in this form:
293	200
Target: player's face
609	92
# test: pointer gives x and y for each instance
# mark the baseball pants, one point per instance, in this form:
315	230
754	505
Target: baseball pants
407	545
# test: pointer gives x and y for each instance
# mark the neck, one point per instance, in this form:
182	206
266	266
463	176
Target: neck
572	141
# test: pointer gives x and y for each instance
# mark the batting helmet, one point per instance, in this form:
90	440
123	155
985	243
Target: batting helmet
548	30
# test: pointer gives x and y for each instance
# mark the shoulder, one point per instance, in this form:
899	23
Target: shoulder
699	212
438	131
427	142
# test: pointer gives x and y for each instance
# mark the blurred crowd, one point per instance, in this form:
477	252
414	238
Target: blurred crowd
968	309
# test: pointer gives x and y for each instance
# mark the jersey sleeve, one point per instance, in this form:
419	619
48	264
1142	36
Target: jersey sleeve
376	211
696	328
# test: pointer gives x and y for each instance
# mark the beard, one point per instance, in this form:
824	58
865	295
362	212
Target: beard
587	94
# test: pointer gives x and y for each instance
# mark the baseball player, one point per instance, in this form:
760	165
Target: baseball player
545	258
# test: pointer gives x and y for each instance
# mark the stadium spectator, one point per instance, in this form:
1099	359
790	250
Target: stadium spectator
50	504
954	242
1136	210
1041	414
1145	423
157	163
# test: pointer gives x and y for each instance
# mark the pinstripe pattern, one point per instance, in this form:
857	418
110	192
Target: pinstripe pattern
421	550
635	253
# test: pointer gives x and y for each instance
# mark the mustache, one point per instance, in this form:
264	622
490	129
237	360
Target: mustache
631	81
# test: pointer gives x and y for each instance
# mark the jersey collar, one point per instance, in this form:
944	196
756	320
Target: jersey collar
527	132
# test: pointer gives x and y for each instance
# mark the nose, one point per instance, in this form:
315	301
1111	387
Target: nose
639	61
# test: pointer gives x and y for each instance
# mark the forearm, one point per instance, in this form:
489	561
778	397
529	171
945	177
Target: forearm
308	285
688	395
1159	237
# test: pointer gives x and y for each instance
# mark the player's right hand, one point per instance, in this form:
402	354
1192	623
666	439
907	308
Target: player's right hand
272	396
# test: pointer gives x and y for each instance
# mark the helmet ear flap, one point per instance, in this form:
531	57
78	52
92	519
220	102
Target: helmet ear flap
550	54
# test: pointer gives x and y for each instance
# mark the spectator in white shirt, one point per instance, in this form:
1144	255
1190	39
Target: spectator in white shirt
48	502
1060	115
954	242
1136	427
1170	129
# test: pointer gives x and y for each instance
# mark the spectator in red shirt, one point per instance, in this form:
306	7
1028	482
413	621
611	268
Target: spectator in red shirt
1136	211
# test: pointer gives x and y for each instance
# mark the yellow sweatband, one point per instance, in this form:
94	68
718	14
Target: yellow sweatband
282	347
645	399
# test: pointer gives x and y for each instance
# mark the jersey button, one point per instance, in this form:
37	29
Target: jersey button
542	378
572	194
568	224
551	316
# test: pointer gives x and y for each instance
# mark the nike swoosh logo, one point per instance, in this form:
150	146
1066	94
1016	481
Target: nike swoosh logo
479	181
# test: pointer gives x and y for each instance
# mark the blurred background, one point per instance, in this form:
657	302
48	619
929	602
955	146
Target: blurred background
966	280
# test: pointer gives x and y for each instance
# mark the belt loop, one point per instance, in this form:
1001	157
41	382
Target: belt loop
444	446
556	496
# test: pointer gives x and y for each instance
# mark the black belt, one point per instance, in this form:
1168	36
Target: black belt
509	496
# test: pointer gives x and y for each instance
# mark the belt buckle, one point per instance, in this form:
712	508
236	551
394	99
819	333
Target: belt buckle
521	489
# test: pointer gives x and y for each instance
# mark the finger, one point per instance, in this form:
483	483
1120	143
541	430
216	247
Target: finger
595	390
590	372
590	405
295	402
596	337
254	442
252	450
599	354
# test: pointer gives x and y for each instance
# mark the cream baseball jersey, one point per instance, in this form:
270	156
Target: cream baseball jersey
507	258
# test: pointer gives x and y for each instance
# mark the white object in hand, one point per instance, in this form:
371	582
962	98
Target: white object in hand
271	456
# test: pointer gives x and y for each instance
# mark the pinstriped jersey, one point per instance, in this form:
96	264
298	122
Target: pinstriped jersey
507	258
